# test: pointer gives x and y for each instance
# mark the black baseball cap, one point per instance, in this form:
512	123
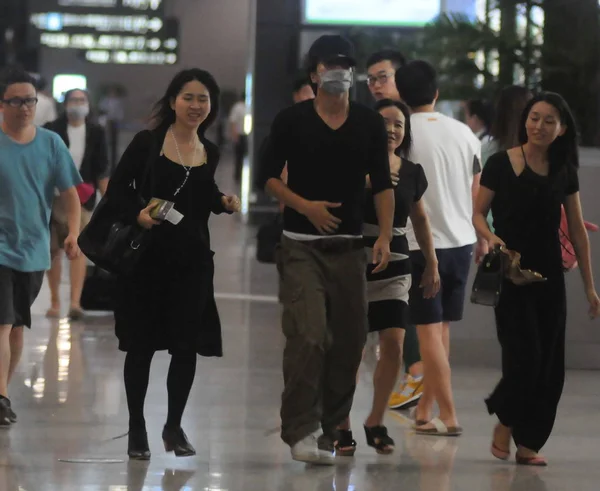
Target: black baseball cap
331	48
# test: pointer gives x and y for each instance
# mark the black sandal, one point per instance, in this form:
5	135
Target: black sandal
378	438
345	446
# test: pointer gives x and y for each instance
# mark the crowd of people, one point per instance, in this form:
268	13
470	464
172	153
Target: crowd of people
444	196
385	209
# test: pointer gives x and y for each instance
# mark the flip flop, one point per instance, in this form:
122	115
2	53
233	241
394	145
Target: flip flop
419	422
439	429
499	453
537	461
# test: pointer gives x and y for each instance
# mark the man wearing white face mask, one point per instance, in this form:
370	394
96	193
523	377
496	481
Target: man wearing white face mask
87	143
330	144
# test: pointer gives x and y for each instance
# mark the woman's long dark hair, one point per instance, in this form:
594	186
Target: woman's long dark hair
564	151
509	108
404	148
163	115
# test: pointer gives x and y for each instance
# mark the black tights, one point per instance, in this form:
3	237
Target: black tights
182	371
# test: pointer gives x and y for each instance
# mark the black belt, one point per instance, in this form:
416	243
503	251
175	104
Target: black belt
335	244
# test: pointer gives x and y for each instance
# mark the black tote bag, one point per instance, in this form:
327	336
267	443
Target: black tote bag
112	242
98	290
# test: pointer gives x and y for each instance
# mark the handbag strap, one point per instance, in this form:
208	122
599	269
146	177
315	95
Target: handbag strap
148	173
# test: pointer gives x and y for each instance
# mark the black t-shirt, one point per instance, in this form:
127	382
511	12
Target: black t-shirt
326	164
412	184
527	210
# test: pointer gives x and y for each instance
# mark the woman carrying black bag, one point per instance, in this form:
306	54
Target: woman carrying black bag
525	187
167	301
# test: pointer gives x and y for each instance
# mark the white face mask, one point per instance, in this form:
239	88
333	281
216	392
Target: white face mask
78	112
336	81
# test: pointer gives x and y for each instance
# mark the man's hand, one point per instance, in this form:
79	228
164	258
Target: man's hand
318	214
71	247
381	254
430	281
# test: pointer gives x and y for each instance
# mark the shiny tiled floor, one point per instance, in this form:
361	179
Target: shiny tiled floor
69	397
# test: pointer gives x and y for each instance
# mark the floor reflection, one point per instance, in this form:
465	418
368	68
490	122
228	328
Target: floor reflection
62	374
172	479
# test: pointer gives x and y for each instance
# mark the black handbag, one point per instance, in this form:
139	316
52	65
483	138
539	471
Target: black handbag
488	280
112	242
98	290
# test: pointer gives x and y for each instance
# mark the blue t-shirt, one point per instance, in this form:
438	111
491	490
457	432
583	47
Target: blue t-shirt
29	174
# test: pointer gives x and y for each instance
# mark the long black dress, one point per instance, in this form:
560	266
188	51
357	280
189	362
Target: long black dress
531	320
168	302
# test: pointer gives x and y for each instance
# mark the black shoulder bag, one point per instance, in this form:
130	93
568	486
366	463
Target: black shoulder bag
112	242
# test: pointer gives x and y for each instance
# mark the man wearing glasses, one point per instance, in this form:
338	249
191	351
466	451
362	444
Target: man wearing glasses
381	78
381	70
33	162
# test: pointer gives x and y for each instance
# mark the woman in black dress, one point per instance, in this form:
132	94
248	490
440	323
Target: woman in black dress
387	291
525	188
168	302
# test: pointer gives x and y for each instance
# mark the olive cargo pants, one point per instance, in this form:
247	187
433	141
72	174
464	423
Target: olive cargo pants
323	293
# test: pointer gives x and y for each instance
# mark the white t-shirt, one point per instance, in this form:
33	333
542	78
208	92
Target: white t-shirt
450	155
237	116
76	136
45	111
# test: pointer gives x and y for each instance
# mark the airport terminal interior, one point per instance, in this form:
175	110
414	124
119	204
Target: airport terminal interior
68	390
69	395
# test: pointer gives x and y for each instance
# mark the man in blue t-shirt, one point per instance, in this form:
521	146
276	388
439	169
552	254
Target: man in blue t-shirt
33	163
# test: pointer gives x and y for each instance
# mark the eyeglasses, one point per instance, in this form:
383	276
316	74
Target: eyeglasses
18	102
382	78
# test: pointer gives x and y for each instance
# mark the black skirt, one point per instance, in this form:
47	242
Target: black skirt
165	306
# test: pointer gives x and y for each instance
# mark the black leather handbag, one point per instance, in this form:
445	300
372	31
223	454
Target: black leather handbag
488	280
112	242
98	290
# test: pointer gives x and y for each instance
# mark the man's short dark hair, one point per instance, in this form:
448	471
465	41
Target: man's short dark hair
394	56
300	81
417	83
14	75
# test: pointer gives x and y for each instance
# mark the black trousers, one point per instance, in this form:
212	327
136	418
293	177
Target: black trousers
240	150
531	323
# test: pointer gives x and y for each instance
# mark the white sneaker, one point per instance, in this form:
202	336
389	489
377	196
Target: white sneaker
307	450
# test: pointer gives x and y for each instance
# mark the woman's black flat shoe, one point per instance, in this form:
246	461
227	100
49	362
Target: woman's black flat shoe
137	447
175	440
